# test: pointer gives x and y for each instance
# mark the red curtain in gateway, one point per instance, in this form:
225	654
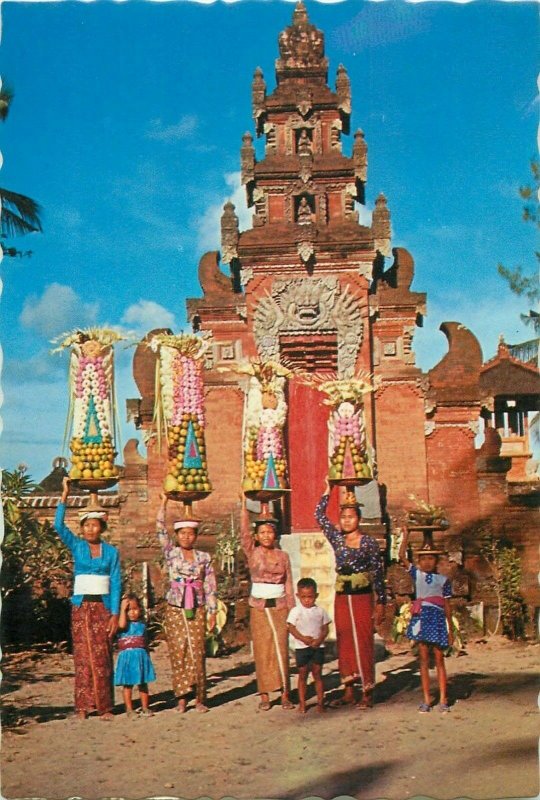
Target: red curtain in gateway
308	454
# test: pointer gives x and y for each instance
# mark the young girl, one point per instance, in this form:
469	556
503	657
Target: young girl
431	621
134	666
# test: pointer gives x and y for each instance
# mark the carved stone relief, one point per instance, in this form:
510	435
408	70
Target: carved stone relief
306	305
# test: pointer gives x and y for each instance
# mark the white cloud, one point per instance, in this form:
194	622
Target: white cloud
184	128
41	367
58	309
209	227
146	314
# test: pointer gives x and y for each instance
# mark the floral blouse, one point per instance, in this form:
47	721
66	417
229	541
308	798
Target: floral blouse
200	571
273	566
365	558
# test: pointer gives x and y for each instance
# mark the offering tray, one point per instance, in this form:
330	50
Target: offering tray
93	485
187	497
265	495
352	482
418	526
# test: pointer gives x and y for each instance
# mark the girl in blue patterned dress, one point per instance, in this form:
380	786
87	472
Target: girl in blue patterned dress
134	666
431	620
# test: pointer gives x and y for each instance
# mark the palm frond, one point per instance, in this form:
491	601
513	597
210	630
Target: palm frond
6	96
19	214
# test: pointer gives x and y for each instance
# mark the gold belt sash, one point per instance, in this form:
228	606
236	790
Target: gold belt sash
352	583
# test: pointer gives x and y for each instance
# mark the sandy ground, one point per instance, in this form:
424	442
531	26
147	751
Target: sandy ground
485	748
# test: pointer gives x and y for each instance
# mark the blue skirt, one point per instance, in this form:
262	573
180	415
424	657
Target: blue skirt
133	667
429	626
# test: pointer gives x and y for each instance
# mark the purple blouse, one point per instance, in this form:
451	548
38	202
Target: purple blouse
365	558
199	572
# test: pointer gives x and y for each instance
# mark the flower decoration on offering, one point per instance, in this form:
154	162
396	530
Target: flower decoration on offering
425	515
265	465
92	409
351	457
179	412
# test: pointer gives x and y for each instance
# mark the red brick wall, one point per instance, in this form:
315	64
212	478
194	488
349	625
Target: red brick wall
452	476
400	442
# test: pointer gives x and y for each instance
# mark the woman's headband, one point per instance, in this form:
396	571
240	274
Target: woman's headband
185	523
84	515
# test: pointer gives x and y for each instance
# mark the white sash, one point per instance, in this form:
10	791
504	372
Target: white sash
267	591
91	584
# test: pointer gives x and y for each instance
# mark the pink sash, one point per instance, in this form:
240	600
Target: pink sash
190	586
435	600
129	642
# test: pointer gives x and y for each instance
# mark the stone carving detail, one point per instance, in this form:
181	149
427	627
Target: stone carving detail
306	167
229	233
305	250
246	275
301	44
247	158
303	215
429	427
271	137
380	225
335	135
258	93
407	340
343	90
360	156
306	305
304	146
259	198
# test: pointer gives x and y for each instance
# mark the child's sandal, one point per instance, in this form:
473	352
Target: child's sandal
444	708
424	708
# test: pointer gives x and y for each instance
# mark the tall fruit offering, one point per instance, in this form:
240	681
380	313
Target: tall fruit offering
351	459
179	413
92	413
265	464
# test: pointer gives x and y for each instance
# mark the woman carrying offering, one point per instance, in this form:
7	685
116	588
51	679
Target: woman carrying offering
270	601
192	594
95	608
359	576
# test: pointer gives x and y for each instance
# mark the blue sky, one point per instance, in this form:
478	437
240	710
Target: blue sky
126	127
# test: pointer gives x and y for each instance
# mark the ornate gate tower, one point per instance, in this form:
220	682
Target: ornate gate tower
308	281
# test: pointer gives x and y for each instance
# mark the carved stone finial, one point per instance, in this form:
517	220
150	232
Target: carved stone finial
380	226
258	93
301	49
343	90
360	160
300	14
229	233
247	158
502	348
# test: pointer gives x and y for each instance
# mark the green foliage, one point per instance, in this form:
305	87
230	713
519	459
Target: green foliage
36	568
520	283
505	564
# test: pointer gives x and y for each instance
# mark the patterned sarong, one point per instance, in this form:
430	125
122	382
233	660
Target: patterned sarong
92	656
185	640
270	648
353	616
